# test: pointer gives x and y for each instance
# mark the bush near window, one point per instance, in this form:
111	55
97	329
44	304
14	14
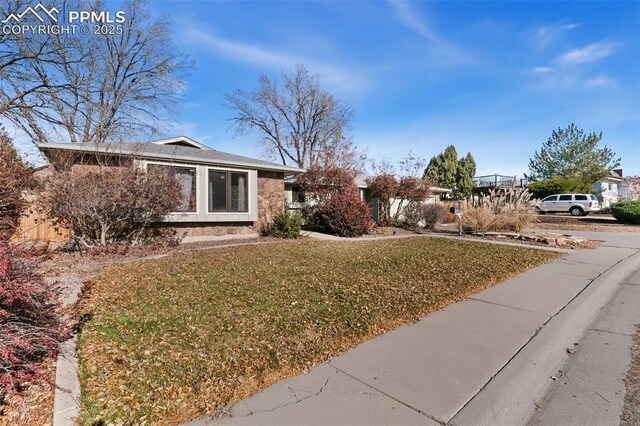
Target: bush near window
285	226
627	212
548	187
116	205
345	215
338	209
500	210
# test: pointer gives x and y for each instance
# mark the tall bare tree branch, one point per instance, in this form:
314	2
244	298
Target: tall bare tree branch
91	87
301	124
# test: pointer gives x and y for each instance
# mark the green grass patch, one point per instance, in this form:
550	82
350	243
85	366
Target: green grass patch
167	340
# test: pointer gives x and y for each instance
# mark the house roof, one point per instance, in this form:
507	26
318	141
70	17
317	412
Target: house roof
179	149
361	181
614	176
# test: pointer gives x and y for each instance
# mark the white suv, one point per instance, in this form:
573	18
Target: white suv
576	204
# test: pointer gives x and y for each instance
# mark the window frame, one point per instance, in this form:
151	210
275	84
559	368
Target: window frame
228	174
181	165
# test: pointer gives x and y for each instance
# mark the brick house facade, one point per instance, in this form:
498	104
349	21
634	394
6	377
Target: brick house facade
224	194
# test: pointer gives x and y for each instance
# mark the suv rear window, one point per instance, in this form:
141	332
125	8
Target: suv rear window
581	198
565	198
593	197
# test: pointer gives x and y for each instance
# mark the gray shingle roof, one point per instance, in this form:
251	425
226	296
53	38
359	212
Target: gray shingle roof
171	152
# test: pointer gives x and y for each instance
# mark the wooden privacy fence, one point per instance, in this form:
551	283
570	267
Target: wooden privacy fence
447	204
34	226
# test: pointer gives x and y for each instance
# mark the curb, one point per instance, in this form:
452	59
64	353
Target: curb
510	396
326	237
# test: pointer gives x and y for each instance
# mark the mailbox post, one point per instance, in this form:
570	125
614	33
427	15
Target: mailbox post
458	212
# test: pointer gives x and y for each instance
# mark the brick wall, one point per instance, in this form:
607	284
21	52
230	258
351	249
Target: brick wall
270	197
198	229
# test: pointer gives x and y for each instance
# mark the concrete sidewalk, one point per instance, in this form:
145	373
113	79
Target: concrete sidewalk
590	388
486	360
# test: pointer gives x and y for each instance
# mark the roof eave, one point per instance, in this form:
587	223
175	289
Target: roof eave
184	159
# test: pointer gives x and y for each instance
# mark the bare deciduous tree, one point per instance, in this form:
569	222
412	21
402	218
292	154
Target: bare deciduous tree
91	87
301	123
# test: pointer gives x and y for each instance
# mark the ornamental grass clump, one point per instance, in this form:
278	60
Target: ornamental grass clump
500	210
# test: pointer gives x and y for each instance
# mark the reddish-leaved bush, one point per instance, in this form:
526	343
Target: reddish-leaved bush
345	215
384	187
29	327
15	176
113	205
322	182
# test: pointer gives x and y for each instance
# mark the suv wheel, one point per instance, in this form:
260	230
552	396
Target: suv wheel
576	211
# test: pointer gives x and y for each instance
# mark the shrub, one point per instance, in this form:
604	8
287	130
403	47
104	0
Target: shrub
502	210
15	176
345	215
285	226
412	217
627	212
384	187
423	216
558	186
433	214
116	205
29	327
321	183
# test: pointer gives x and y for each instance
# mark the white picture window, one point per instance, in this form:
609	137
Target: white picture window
186	177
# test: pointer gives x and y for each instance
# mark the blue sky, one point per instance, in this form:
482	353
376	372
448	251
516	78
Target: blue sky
493	78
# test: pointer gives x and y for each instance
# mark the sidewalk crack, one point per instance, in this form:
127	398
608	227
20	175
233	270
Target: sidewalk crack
390	396
291	403
610	332
500	304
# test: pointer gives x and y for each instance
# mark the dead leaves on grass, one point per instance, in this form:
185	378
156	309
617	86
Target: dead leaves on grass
173	338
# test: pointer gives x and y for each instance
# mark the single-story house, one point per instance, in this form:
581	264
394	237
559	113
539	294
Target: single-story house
609	189
222	193
295	198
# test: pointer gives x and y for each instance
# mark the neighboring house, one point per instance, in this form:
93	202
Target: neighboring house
609	190
296	199
222	193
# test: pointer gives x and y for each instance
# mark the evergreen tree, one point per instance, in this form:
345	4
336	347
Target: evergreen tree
448	171
571	154
466	172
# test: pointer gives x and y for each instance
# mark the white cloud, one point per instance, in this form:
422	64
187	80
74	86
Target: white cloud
411	19
185	128
600	82
590	53
334	76
543	36
408	16
542	70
